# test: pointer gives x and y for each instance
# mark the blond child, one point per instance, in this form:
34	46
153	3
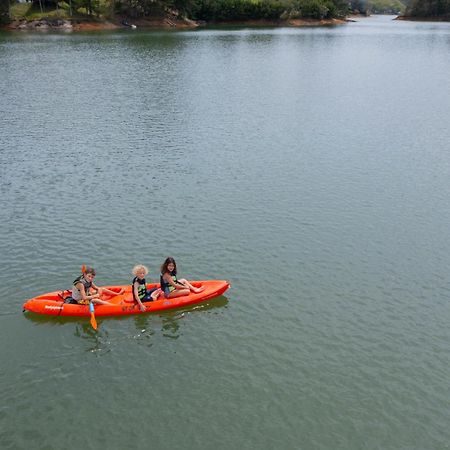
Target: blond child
139	287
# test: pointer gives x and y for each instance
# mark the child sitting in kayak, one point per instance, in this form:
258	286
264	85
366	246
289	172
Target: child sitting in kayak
85	291
139	287
170	285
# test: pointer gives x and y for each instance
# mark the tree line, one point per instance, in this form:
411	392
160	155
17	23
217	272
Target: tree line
231	10
204	10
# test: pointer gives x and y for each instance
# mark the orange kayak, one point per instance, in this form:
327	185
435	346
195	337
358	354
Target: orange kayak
123	304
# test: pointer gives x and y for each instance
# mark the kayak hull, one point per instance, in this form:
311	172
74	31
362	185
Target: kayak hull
51	304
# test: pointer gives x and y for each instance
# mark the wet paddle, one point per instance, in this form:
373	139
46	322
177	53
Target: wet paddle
93	321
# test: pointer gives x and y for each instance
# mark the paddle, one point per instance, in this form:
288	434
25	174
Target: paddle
93	321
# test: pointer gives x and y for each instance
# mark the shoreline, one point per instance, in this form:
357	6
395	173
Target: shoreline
76	25
424	19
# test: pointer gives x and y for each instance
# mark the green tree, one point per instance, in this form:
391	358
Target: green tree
5	11
341	8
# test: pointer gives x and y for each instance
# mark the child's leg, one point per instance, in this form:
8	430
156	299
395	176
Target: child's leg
155	294
178	293
110	292
97	301
190	287
151	295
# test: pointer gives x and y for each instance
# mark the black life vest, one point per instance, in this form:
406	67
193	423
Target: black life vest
87	284
142	288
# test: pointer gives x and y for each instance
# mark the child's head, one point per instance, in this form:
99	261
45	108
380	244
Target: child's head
88	273
139	271
169	265
86	270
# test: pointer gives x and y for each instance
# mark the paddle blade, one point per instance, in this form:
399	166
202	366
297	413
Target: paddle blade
93	320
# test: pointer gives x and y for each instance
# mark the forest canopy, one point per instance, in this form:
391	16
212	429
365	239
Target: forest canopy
206	10
218	10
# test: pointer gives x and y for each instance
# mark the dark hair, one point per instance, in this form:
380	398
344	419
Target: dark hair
166	263
85	270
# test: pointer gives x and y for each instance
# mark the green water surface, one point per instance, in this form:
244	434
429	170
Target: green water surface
309	167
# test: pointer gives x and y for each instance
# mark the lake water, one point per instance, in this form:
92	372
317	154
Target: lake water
309	167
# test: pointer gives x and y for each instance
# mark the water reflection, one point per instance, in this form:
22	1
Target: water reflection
170	326
170	320
98	341
52	320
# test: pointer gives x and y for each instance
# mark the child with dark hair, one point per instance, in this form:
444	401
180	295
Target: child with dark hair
170	285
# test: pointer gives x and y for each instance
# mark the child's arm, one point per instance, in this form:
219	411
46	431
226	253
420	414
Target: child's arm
169	279
83	294
136	296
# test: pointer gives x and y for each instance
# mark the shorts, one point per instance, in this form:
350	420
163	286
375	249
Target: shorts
72	301
148	295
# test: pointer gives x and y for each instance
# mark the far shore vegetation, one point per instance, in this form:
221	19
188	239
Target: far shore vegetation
215	11
197	10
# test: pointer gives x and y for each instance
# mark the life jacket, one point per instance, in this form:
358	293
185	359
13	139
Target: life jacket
76	294
164	284
142	288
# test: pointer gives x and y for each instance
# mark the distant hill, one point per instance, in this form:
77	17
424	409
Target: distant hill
429	9
388	7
